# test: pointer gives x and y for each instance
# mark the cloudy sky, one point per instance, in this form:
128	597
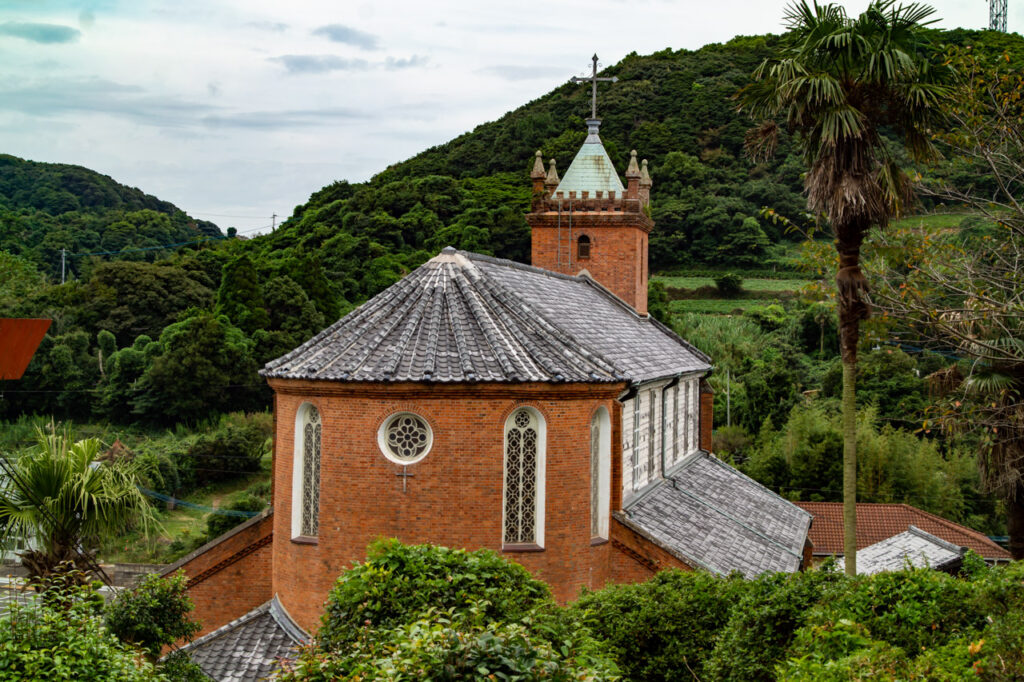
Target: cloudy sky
238	109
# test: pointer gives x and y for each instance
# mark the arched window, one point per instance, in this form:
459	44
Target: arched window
306	473
600	473
583	247
524	478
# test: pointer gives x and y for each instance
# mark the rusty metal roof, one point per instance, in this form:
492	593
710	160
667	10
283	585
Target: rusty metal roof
19	339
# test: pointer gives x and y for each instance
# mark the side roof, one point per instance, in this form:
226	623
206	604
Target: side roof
248	648
912	547
711	516
877	521
464	317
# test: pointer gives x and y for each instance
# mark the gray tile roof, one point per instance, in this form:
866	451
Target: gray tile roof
466	317
713	517
249	647
914	547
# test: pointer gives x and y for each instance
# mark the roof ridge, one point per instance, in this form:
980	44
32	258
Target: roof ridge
934	539
229	626
951	524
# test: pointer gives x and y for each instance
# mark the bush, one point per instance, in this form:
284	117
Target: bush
236	447
729	284
218	524
665	628
178	667
65	639
153	615
398	583
453	646
761	627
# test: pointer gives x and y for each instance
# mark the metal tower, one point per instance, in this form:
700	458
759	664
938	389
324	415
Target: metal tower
997	15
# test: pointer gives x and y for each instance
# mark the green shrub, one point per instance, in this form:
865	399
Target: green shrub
65	639
665	628
178	667
154	614
397	583
729	284
761	626
453	645
235	448
218	524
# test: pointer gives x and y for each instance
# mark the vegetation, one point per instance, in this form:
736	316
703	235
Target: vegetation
153	615
66	639
423	612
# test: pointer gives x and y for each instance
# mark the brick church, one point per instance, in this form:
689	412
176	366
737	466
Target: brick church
535	410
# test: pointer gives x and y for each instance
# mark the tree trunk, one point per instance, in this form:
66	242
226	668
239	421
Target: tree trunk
851	286
1015	522
850	467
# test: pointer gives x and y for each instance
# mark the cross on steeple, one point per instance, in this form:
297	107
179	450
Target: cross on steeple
593	81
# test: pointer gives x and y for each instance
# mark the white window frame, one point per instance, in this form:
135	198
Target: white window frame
298	462
604	469
539	500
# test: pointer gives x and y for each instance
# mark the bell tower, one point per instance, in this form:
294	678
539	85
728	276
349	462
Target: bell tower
588	221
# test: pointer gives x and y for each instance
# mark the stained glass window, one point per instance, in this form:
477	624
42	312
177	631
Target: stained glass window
405	438
311	431
521	462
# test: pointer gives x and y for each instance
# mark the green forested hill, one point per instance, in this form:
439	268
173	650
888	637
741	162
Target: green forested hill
46	207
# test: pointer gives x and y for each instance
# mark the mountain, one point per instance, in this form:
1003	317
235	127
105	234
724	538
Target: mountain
46	207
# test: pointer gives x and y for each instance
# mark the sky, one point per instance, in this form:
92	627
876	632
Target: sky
236	110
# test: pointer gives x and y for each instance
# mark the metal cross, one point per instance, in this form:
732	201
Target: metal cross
404	473
593	81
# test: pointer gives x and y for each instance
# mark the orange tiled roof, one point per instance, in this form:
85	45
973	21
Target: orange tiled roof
876	522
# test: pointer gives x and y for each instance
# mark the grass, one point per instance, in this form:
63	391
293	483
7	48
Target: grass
748	284
718	306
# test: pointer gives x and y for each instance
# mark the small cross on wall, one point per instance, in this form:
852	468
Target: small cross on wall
404	473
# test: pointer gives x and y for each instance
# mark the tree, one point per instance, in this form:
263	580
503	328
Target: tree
153	615
61	494
962	292
838	82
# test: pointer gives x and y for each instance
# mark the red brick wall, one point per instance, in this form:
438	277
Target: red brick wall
454	497
635	558
231	575
618	249
707	414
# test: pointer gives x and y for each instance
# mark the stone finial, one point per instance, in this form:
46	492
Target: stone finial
538	166
633	171
552	178
645	176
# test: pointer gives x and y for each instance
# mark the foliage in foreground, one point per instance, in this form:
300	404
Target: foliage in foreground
154	614
66	639
397	583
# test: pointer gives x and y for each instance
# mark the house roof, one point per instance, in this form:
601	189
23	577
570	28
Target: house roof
914	547
711	516
249	647
876	522
591	169
464	317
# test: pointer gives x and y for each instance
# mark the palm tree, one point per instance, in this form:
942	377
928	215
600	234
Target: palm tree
838	84
63	497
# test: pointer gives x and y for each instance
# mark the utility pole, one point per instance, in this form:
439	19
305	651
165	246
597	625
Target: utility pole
273	222
63	260
728	400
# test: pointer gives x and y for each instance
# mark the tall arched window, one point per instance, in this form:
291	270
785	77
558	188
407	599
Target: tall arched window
583	247
306	473
524	478
600	473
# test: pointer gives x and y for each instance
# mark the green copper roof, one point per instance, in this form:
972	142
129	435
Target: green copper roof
592	170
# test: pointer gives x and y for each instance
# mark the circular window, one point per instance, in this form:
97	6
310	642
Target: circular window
405	438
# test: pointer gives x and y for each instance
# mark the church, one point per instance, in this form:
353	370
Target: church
534	410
